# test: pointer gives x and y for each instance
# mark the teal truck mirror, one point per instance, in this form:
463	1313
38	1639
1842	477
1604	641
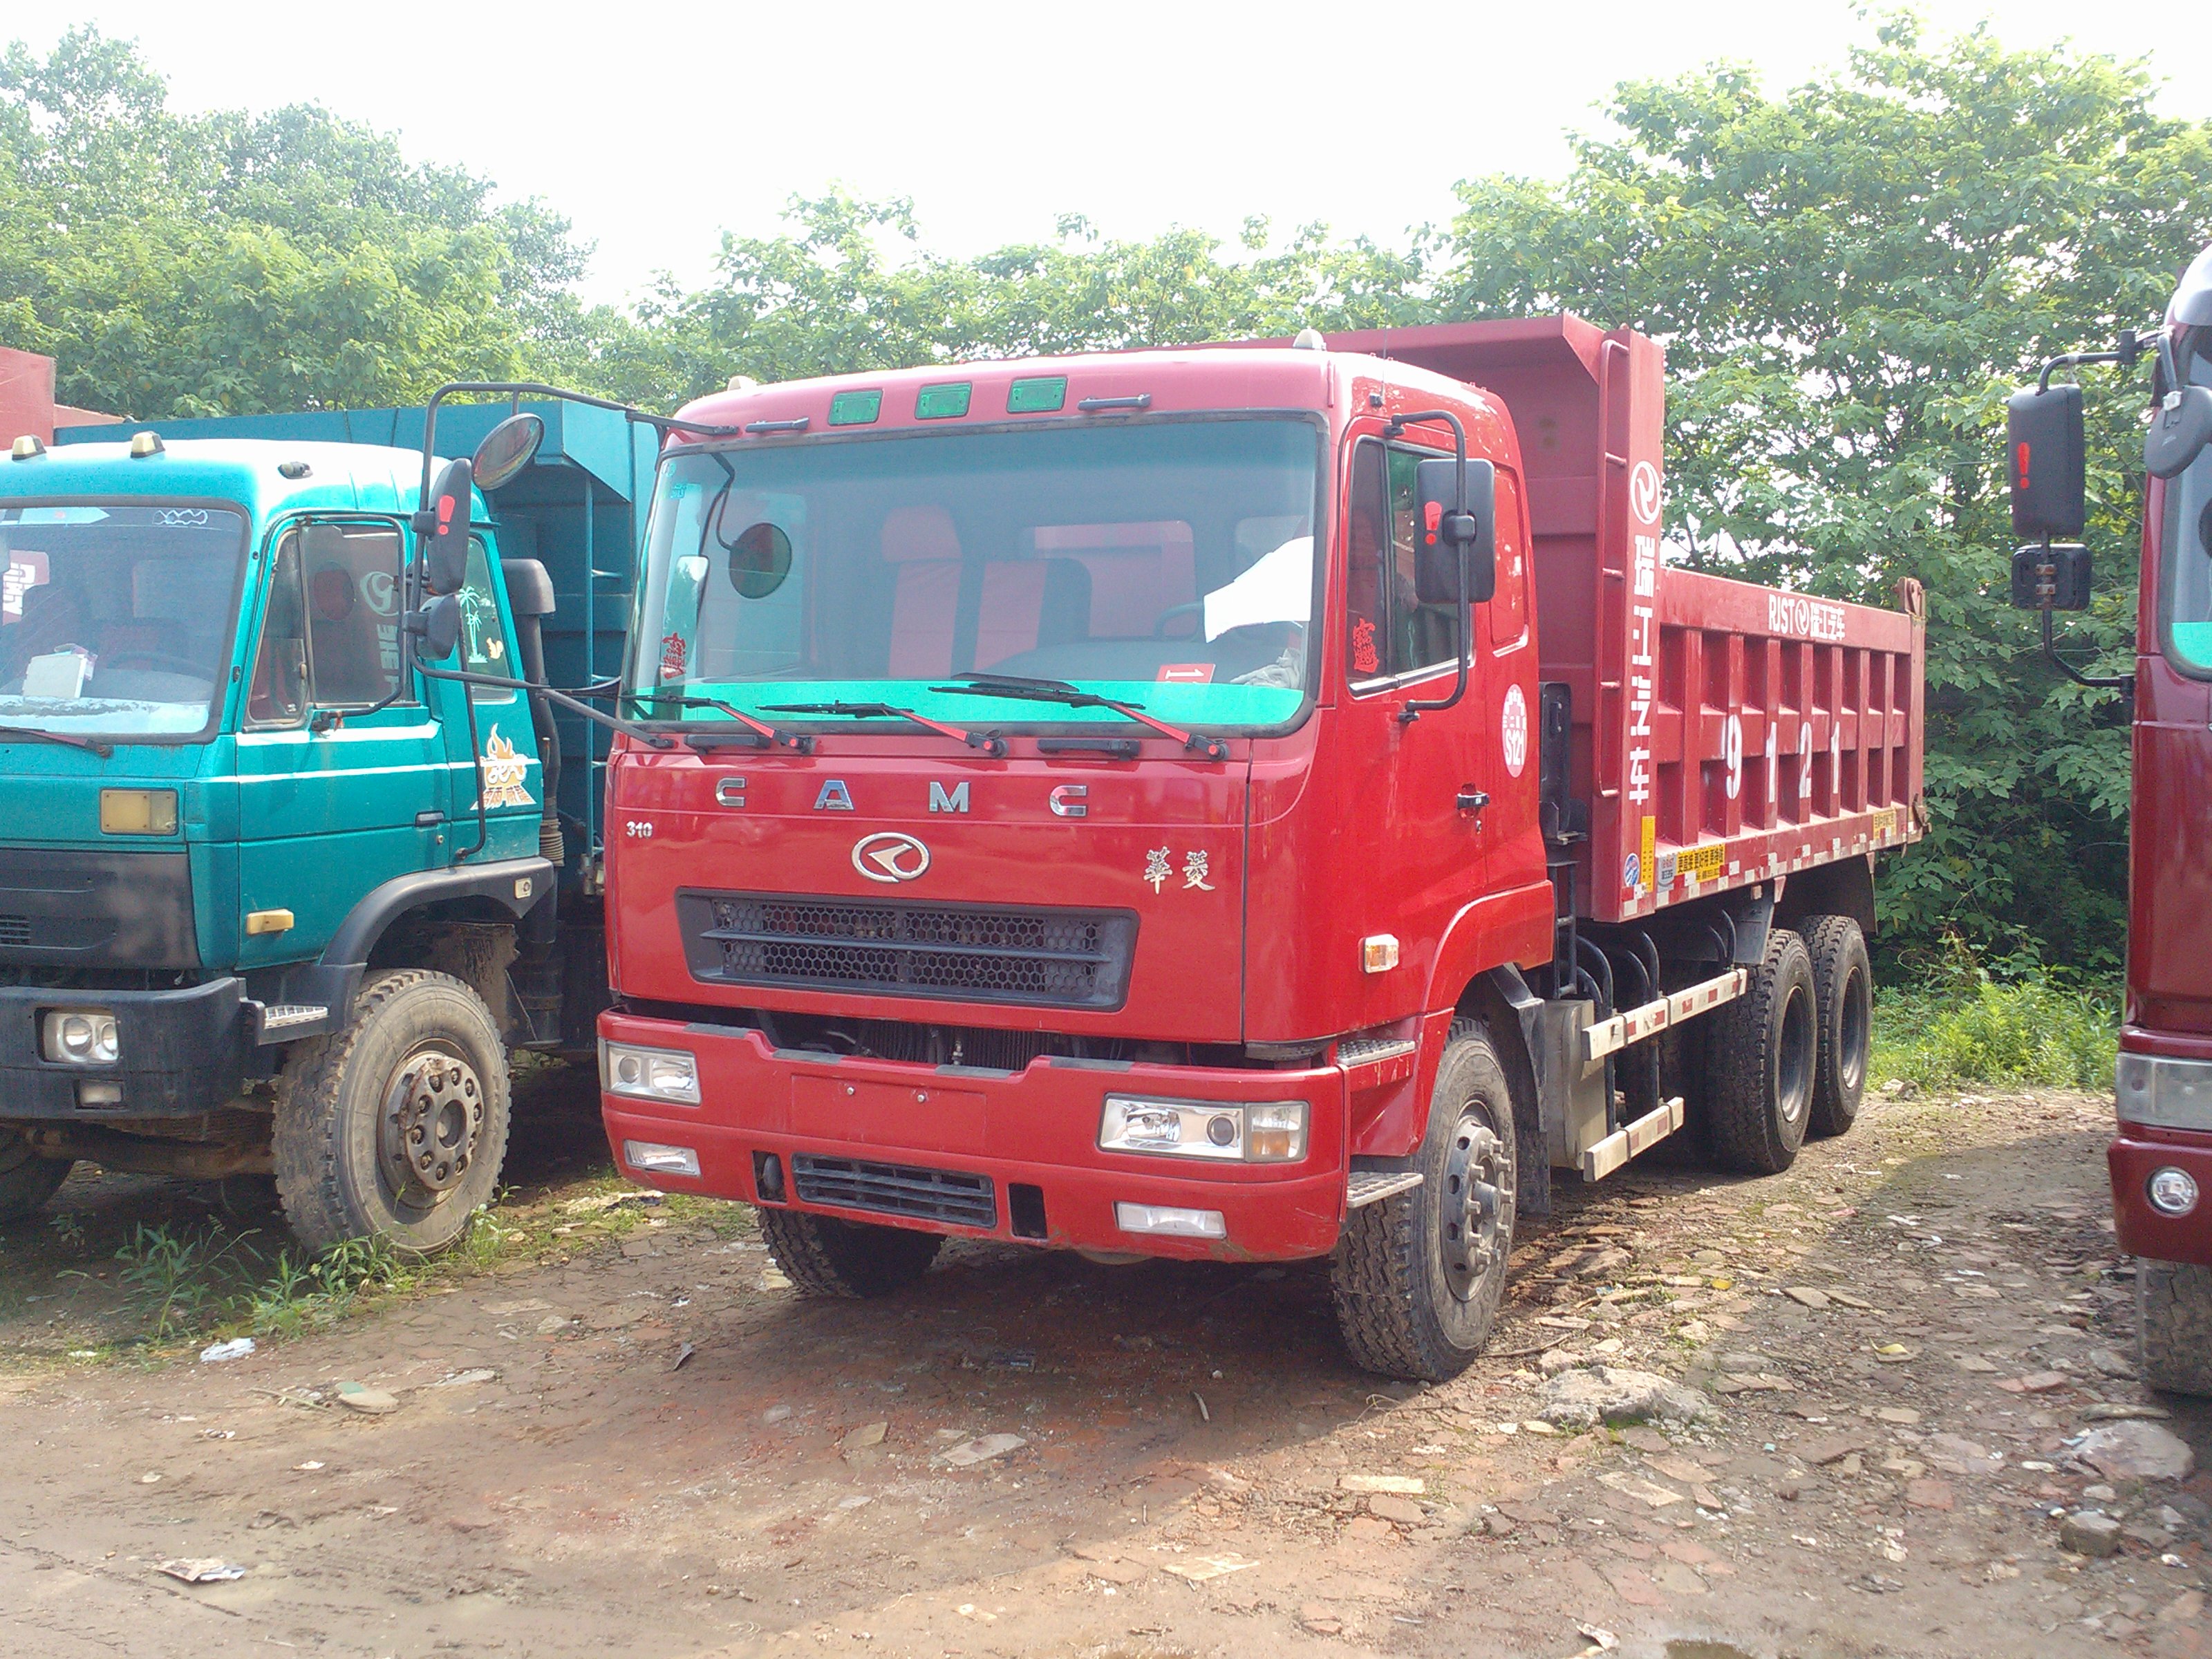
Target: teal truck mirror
445	545
439	625
507	449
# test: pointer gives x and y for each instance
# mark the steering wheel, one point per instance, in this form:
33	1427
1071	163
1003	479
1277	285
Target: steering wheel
160	661
1160	628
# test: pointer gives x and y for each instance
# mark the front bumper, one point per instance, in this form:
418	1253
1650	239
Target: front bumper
180	1053
1038	1129
2135	1155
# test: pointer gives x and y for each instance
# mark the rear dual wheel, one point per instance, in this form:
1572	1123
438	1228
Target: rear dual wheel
1843	997
1417	1276
1762	1057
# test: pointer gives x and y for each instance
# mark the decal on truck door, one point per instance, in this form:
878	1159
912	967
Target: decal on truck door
506	775
1513	730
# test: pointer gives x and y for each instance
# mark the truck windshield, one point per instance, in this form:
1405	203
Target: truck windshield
2186	546
1168	564
115	617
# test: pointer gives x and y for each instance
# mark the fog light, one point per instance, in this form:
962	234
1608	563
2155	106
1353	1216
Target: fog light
78	1036
650	1157
2173	1191
649	1073
96	1096
1166	1218
138	811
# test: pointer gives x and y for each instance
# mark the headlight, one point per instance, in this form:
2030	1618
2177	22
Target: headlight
649	1073
2171	1094
78	1036
138	811
1272	1132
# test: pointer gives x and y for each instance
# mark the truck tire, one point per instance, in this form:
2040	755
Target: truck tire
26	1181
396	1126
2173	1325
822	1255
1843	997
1417	1276
1765	1049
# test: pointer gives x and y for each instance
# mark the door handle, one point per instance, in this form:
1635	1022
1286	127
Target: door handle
429	820
1471	800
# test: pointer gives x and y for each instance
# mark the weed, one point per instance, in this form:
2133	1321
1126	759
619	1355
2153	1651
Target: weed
174	1277
2039	1027
68	1228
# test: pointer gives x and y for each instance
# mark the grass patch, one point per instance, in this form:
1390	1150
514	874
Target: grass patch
2031	1027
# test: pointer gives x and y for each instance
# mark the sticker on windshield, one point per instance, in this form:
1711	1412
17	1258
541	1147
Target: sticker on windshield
1185	673
506	775
672	653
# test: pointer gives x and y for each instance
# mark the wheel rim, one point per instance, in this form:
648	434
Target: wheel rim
433	1125
1472	1203
1794	1068
1858	1022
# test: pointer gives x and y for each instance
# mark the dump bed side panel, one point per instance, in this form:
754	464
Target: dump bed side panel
1724	732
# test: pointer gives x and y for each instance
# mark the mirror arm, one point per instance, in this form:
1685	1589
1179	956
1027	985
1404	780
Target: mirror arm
462	677
2094	682
1465	621
2131	346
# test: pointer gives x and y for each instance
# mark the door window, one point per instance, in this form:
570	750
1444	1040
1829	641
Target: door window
1390	632
483	637
329	632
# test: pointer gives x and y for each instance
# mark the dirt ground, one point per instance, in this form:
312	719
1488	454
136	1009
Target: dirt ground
653	1446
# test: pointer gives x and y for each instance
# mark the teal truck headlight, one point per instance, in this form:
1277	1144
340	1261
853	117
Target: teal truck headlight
649	1073
138	811
78	1036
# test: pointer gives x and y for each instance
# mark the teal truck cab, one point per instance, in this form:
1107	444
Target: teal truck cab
274	899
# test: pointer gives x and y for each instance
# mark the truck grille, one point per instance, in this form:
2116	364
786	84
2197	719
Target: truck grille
965	1200
967	953
14	930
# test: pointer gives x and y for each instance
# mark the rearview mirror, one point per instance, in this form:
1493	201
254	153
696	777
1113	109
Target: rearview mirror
2045	461
445	545
1443	531
439	625
2051	578
2178	431
507	449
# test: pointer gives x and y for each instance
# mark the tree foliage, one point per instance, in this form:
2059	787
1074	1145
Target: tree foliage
1849	277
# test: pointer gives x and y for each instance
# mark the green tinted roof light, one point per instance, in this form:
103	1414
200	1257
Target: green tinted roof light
855	408
944	402
1043	394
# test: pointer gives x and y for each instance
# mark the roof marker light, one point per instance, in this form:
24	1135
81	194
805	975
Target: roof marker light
292	469
143	444
27	447
1309	340
1041	394
945	402
855	408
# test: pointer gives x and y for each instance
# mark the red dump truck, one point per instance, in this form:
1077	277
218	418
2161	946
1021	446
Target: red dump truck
1251	803
2162	1155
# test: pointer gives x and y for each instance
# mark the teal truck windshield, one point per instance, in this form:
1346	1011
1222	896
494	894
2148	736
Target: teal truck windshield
115	618
2186	546
1167	564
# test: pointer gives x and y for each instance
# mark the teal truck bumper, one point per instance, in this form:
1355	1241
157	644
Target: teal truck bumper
178	1052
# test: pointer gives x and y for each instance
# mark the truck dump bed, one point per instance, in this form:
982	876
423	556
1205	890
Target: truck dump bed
1722	732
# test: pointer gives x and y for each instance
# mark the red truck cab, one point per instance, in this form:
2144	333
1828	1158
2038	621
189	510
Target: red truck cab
1256	803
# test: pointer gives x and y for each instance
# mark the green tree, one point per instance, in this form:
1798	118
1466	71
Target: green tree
1848	279
228	264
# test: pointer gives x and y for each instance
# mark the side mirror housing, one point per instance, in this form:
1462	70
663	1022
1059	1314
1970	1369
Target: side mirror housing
2051	578
2045	461
442	529
438	627
505	450
1444	530
2179	429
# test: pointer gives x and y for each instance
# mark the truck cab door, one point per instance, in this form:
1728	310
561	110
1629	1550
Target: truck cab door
335	795
502	768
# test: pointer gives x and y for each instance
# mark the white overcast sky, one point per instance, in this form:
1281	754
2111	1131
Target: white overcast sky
655	127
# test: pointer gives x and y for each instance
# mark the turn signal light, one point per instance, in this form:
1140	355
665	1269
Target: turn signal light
138	811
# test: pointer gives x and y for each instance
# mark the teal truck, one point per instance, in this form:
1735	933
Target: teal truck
275	897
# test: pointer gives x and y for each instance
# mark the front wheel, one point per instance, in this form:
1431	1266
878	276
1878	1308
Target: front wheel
396	1126
1417	1276
26	1181
2173	1325
822	1255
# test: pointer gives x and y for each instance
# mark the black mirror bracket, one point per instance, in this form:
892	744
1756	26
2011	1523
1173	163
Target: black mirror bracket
1459	516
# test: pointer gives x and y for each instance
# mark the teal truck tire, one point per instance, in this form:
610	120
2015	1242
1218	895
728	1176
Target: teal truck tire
396	1126
1417	1276
26	1181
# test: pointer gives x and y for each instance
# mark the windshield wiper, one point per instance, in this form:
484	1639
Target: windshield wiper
770	737
1022	687
71	738
989	742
